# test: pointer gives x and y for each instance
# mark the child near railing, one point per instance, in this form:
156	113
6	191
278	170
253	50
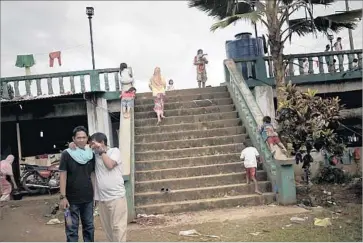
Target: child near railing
270	135
128	90
127	101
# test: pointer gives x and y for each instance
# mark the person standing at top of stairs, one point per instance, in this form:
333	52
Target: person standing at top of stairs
200	61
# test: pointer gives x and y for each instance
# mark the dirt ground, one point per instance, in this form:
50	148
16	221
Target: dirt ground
26	221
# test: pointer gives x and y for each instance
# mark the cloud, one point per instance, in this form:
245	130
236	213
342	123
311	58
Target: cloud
144	34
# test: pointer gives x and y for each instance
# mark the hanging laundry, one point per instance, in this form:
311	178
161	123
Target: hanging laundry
54	55
25	61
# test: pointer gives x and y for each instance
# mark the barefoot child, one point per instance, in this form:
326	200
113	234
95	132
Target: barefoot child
250	156
127	82
270	136
127	101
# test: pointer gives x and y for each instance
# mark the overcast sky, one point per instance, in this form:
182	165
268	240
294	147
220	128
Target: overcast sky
143	34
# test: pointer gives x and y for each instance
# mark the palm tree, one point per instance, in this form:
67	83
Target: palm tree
273	14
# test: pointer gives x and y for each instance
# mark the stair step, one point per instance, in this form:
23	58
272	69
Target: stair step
182	92
190	143
186	111
188	152
174	120
206	204
148	198
183	135
187	162
186	104
201	126
185	98
202	170
196	181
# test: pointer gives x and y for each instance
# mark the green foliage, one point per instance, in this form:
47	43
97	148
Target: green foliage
309	120
231	11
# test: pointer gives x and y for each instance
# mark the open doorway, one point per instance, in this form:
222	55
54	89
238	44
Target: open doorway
9	145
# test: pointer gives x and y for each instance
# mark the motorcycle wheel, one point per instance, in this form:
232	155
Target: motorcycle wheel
30	190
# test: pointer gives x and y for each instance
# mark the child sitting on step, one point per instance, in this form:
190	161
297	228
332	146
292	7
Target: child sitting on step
270	136
127	101
128	91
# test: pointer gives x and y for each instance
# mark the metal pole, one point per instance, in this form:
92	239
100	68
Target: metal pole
257	44
93	53
349	30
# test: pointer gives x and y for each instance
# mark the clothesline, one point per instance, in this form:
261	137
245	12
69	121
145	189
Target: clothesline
47	53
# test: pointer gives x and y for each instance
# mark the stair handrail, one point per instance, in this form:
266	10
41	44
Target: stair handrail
252	116
132	214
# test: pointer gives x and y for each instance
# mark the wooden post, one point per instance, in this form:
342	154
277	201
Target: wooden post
18	139
27	71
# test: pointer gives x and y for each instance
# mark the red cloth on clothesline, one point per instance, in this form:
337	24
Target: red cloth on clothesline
54	55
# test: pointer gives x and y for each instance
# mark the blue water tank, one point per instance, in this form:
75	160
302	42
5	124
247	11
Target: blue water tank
244	46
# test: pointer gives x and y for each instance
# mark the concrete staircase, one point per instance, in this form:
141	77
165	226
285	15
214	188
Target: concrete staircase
194	152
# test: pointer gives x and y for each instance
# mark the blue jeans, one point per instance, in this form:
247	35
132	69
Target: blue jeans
85	212
127	103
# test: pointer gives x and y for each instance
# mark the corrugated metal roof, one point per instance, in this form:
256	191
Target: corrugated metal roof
45	97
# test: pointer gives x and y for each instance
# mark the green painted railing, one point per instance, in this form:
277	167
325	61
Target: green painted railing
130	184
280	171
304	68
64	82
257	71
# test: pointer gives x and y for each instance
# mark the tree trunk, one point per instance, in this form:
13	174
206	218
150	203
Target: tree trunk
278	63
276	47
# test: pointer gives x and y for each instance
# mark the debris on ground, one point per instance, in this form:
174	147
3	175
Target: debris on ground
96	213
191	232
322	222
298	220
194	233
54	209
151	219
255	233
54	221
287	226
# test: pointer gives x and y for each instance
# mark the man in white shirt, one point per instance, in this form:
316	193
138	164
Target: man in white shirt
109	188
250	156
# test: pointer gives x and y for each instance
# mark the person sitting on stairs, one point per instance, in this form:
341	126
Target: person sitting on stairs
127	94
250	157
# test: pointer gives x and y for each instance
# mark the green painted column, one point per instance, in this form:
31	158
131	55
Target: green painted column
131	214
285	181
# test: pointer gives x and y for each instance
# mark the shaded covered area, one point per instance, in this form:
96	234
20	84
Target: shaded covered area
45	107
37	137
48	136
9	145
